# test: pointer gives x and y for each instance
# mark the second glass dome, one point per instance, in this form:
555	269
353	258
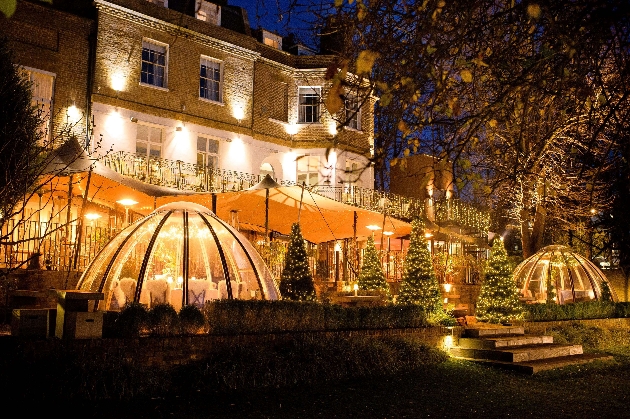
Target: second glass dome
559	274
180	254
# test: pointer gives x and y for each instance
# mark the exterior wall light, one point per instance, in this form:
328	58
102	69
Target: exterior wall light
118	81
239	113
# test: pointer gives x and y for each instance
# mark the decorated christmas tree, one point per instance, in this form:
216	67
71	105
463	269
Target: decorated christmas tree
419	283
296	282
372	276
498	299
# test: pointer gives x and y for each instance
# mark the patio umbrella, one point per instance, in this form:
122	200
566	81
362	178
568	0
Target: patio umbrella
266	184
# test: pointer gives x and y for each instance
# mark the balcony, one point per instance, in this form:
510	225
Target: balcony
191	177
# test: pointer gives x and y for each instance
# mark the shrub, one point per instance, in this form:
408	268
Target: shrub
575	311
163	320
238	316
132	321
191	320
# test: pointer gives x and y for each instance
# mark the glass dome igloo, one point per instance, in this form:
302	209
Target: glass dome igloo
570	276
181	254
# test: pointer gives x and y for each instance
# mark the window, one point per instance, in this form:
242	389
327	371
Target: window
308	111
42	88
353	112
154	59
308	170
210	86
149	141
207	152
353	173
202	15
267	169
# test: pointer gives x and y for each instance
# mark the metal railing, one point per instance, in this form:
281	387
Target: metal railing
51	246
191	177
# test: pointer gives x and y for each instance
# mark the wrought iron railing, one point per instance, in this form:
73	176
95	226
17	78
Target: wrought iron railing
50	245
191	177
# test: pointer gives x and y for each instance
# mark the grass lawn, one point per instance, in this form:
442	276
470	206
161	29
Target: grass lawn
434	388
454	389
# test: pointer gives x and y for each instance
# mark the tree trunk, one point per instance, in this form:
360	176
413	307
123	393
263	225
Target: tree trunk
532	241
525	234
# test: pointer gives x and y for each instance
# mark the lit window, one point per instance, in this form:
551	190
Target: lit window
353	112
154	61
210	85
272	43
308	170
207	152
308	111
202	15
149	141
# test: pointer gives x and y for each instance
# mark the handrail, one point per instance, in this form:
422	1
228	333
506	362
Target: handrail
192	177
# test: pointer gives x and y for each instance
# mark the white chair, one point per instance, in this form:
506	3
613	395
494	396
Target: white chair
117	299
158	291
223	289
128	286
197	291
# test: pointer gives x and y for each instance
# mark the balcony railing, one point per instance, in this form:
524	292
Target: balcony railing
191	177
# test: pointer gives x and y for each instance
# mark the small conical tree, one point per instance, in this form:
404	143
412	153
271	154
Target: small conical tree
419	283
296	282
606	293
371	276
498	299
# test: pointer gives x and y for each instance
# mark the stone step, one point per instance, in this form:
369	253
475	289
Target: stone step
519	353
532	367
478	332
503	341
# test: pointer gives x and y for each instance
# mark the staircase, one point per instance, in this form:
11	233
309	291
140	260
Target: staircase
509	347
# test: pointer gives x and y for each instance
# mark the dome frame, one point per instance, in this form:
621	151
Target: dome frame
221	254
570	277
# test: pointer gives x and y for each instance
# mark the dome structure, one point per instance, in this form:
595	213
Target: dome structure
181	254
562	275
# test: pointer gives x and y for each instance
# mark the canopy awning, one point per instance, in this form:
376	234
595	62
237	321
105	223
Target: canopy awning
322	219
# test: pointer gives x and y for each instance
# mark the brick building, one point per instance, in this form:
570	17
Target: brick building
175	87
54	48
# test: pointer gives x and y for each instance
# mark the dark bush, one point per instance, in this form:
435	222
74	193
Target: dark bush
191	320
163	320
132	321
238	316
575	311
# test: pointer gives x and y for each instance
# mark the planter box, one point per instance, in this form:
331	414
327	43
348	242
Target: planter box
82	325
30	322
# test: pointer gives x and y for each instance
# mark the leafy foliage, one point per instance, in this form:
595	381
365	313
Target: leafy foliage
576	311
21	152
191	320
528	102
132	321
163	320
296	282
372	276
241	316
498	299
419	283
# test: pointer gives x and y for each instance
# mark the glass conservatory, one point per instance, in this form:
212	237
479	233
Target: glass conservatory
558	274
180	254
